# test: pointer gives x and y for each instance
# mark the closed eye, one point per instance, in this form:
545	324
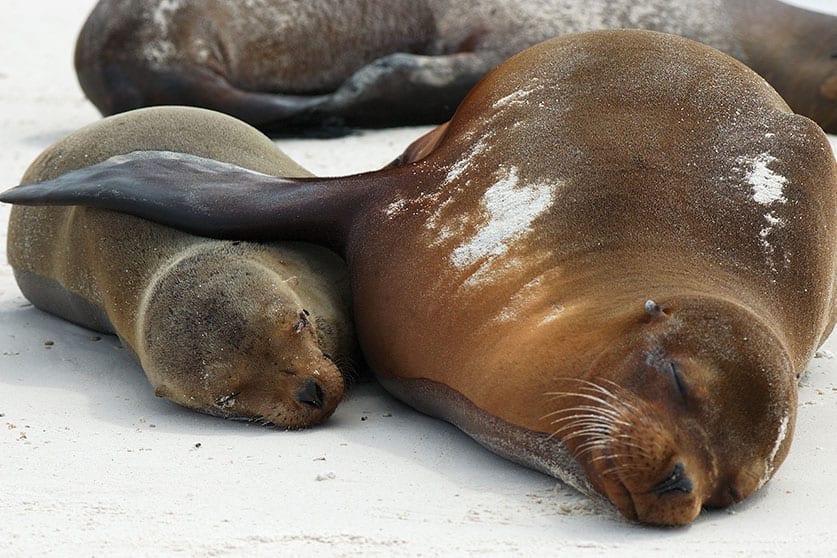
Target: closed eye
677	378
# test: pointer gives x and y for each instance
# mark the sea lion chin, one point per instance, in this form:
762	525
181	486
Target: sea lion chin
611	265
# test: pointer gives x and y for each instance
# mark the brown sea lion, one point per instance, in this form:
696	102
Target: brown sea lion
236	329
612	264
286	64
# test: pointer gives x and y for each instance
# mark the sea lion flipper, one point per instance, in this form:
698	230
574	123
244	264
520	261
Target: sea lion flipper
395	89
200	196
278	113
421	147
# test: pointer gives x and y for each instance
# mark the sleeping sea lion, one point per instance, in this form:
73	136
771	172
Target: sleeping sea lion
236	329
288	64
611	265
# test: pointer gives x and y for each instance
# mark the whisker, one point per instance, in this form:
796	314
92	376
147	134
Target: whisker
624	471
606	425
579	408
591	415
591	408
588	418
603	441
585	422
591	430
632	445
585	382
601	389
596	388
588	433
613	456
583	395
624	401
590	449
605	405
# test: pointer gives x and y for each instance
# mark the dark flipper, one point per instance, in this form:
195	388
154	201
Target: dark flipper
396	90
207	197
404	89
277	113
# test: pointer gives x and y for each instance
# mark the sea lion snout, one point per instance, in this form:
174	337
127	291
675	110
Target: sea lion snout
726	359
637	452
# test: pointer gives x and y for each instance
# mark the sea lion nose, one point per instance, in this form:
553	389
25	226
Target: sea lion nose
676	483
311	393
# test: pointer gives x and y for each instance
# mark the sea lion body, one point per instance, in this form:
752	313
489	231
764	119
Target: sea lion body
568	191
237	329
612	264
377	63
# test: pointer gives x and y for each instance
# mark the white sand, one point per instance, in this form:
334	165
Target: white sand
93	464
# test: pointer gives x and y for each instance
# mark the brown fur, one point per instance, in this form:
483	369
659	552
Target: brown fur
230	328
653	203
286	64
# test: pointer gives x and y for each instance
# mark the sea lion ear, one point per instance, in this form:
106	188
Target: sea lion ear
194	194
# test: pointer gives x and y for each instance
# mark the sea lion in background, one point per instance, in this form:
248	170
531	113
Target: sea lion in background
285	65
236	329
612	264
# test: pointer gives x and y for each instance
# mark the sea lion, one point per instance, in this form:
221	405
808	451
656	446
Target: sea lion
611	265
236	329
395	62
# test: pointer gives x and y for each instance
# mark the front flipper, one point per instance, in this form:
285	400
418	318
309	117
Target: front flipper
422	147
206	197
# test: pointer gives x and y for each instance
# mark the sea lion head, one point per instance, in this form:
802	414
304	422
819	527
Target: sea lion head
694	406
260	355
